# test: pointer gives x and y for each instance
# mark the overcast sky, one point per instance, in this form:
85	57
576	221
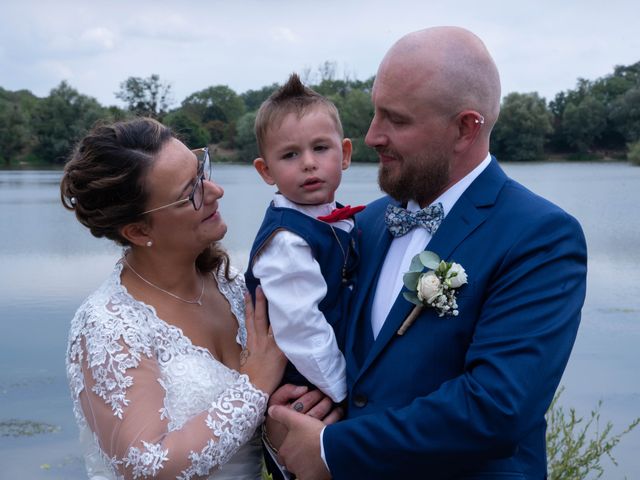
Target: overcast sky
95	45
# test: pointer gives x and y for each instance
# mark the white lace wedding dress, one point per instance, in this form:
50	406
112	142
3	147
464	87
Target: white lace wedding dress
149	403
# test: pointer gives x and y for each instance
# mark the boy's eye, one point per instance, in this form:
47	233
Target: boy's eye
320	148
288	155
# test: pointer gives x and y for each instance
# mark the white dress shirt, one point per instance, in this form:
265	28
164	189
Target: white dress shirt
404	248
294	286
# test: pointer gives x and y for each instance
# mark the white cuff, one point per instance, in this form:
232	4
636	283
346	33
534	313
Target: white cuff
322	456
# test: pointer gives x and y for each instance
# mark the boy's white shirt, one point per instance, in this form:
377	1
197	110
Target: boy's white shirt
294	286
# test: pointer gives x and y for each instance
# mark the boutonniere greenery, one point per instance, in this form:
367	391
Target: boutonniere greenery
435	288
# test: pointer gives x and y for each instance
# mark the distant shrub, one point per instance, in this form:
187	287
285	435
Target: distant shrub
574	451
634	153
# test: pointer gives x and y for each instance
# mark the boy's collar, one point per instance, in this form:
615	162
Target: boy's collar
314	211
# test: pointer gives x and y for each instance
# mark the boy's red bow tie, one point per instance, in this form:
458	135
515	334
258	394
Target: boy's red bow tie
342	213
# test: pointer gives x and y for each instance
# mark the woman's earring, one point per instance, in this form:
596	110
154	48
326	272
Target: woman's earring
149	243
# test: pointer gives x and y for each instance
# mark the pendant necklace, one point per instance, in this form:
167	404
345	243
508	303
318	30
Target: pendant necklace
196	301
345	255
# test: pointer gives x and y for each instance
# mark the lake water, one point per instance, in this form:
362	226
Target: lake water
49	263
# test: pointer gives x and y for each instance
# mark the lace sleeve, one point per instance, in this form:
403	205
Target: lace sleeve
123	404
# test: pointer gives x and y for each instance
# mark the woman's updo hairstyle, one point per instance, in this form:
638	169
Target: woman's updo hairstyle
103	182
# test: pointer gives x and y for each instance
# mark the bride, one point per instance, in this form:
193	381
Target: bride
168	379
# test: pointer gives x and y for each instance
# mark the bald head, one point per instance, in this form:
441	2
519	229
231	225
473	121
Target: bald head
451	69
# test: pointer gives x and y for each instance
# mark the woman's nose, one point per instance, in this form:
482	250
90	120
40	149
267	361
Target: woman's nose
213	190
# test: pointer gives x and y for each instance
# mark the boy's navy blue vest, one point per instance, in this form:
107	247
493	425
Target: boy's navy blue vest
337	271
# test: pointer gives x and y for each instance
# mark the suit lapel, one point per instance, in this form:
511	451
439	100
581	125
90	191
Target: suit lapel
465	216
372	253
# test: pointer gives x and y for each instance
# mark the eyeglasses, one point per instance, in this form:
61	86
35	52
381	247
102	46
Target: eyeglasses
196	197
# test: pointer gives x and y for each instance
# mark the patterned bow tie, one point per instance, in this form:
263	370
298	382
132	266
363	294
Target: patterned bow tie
342	213
400	221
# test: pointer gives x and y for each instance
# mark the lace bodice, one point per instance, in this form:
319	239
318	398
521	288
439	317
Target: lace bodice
148	402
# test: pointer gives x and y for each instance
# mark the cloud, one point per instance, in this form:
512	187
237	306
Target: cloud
99	37
284	34
543	47
91	41
55	69
165	26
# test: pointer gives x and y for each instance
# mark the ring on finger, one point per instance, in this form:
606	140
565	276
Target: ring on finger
298	406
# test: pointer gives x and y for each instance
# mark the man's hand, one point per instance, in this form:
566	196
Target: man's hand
311	402
300	451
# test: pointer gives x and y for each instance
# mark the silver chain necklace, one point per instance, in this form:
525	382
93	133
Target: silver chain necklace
196	301
345	255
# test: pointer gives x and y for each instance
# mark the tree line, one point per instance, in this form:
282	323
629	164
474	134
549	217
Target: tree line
597	119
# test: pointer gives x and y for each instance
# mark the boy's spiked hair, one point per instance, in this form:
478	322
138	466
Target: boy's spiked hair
292	97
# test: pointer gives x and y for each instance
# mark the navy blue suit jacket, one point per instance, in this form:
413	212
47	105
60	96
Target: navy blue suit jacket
465	396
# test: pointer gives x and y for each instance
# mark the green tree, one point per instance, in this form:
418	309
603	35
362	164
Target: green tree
521	130
116	114
583	123
148	97
218	102
189	131
61	119
246	139
625	114
253	98
610	87
213	105
14	131
608	92
216	129
26	100
356	112
634	153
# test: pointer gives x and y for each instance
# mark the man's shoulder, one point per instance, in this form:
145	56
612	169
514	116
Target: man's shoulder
518	209
517	197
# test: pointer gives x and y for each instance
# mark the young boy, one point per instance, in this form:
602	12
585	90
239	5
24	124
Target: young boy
305	252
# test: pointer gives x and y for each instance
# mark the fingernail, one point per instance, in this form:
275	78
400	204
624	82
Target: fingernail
269	410
300	390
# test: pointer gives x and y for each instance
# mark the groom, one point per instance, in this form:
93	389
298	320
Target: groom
454	396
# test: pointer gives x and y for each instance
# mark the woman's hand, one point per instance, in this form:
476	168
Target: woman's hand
261	360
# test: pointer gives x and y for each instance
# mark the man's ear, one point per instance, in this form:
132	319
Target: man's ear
347	150
469	124
262	168
137	233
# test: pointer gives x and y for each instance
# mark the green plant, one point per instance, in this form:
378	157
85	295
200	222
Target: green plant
634	153
573	450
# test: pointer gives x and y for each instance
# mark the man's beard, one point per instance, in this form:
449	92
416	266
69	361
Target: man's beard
420	178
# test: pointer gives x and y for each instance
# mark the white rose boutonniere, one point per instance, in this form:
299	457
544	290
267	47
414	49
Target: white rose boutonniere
434	288
429	286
